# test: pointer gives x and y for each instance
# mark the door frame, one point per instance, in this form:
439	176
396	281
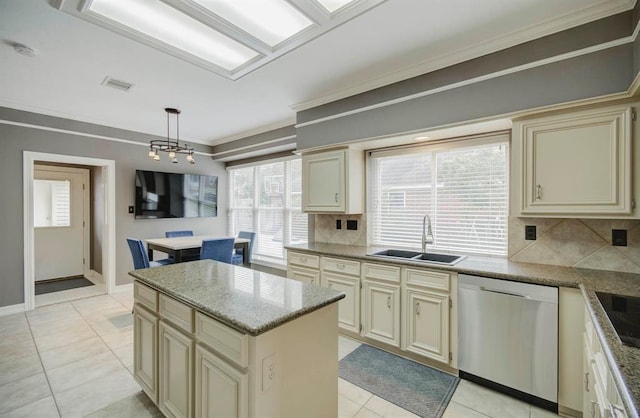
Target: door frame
86	207
108	227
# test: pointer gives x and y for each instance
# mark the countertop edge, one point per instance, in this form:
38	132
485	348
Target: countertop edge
230	322
605	333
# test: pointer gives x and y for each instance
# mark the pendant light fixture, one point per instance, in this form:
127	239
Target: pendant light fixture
170	146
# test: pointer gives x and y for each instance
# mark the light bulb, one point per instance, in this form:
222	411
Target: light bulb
190	159
172	154
156	157
152	153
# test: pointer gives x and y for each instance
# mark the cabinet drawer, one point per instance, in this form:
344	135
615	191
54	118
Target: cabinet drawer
341	266
382	272
146	296
178	313
427	278
305	260
223	339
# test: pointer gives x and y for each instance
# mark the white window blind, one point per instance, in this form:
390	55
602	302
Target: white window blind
463	188
266	199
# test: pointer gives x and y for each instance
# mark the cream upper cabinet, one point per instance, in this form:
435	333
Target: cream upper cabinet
332	181
574	165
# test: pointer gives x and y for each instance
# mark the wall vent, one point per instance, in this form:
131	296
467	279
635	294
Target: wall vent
117	84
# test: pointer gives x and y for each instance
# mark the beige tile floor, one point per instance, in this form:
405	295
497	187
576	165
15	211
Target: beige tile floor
72	357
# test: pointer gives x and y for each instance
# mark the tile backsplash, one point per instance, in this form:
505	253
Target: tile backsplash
584	243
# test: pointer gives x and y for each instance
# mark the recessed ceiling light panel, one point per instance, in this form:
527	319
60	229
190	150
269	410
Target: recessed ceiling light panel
333	5
271	21
164	23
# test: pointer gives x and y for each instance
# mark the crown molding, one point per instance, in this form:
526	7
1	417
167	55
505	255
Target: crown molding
558	24
254	131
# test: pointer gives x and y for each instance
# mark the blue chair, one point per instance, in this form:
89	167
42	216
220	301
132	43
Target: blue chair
218	249
140	257
239	252
171	234
187	255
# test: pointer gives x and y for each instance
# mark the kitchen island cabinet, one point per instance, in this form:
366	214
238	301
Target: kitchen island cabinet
212	339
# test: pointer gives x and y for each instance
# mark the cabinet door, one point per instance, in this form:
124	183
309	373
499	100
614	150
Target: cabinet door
349	307
382	312
426	328
176	360
304	275
221	390
145	356
577	164
323	182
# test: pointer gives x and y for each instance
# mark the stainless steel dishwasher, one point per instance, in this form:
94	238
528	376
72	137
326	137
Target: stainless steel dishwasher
508	337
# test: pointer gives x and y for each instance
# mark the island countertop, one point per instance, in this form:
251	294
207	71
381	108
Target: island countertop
250	301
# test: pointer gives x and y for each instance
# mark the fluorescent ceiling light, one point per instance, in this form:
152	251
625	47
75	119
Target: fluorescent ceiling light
333	5
166	24
271	21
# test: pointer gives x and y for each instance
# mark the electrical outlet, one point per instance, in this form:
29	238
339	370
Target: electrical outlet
530	232
619	237
268	371
130	209
352	225
338	224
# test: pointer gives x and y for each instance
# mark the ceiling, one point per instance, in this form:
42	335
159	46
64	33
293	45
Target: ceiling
393	40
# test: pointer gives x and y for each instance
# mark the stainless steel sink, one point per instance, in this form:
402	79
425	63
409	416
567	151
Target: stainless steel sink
397	253
435	258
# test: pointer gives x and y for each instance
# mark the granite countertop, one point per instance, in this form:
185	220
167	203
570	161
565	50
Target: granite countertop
250	301
624	361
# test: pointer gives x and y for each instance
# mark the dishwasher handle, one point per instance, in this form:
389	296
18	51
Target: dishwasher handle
503	292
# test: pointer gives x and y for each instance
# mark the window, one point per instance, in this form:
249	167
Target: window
462	186
266	198
51	203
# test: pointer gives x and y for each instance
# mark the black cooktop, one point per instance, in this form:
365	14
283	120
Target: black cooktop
624	314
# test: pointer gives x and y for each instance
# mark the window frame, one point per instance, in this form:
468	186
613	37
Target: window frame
434	147
257	210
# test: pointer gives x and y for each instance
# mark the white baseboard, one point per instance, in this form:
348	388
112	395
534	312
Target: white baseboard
11	309
95	277
123	288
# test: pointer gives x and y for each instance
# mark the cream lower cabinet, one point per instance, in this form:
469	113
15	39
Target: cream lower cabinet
381	303
601	398
344	275
303	267
145	360
221	390
175	367
425	316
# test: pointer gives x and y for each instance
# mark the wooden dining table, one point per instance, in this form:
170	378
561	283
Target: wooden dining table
180	246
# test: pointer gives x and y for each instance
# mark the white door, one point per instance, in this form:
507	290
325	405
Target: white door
61	221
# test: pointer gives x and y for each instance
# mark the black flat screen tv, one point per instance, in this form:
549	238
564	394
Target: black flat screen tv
172	195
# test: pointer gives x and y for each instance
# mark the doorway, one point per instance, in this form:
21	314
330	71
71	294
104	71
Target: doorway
32	170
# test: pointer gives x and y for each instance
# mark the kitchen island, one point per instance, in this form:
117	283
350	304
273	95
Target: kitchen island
213	339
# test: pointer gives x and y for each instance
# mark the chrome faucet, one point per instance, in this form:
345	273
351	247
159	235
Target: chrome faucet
427	233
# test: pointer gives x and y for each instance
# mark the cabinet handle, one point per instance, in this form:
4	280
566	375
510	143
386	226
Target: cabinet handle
418	308
586	382
336	197
594	404
538	192
389	302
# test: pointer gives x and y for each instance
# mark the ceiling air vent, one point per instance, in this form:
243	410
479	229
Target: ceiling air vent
117	84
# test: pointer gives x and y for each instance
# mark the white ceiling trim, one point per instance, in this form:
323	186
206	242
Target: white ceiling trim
476	50
84	134
475	80
255	131
258	145
259	153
